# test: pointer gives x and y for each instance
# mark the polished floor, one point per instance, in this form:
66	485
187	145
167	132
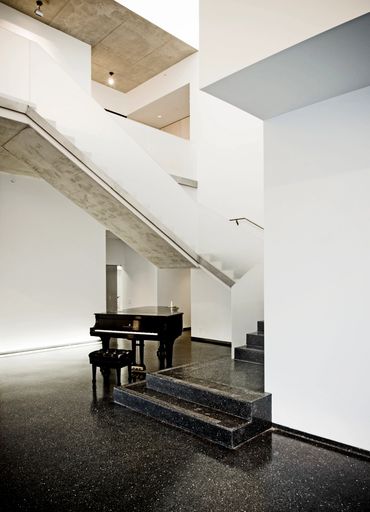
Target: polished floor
64	448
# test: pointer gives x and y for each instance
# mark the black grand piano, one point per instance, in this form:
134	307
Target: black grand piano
138	324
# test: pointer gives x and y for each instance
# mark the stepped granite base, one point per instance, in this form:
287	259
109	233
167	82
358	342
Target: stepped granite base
222	401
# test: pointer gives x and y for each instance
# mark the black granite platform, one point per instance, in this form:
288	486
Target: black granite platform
199	398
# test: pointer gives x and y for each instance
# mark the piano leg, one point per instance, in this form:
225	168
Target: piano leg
169	352
164	353
105	342
118	376
93	375
161	353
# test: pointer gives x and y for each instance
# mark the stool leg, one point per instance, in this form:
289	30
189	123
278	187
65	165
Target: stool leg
93	375
141	351
118	374
133	348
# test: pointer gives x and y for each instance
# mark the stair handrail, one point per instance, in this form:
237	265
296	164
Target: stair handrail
237	219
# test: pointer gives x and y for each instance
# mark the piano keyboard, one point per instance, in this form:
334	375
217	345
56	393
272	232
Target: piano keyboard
126	332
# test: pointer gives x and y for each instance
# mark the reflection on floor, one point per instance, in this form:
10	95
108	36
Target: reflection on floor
65	449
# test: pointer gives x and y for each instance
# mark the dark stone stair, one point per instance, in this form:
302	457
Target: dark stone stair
253	351
256	340
253	355
196	399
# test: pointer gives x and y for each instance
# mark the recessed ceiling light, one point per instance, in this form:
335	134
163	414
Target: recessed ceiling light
111	79
159	116
38	12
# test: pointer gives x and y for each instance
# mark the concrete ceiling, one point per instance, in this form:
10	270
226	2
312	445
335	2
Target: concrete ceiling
122	42
171	108
327	65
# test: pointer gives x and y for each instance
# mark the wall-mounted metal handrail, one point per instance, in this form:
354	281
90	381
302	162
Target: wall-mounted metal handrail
238	219
115	113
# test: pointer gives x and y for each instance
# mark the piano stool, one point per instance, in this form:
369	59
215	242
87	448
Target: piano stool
111	358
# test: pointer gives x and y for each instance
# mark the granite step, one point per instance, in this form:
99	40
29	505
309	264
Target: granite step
256	340
183	383
208	423
261	326
253	355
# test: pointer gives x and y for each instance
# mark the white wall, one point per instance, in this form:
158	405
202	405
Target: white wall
52	267
225	151
143	284
230	160
235	33
179	128
246	305
174	155
174	285
72	55
109	98
139	276
210	307
165	82
180	18
317	279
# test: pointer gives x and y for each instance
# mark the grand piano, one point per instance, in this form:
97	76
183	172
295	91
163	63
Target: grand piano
138	324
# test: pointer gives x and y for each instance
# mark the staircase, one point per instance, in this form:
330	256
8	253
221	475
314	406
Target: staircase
73	144
254	350
222	400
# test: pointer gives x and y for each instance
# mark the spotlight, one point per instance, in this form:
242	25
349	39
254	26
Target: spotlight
38	10
111	79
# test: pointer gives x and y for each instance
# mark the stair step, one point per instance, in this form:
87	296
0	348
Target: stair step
256	340
214	425
228	399
253	355
261	326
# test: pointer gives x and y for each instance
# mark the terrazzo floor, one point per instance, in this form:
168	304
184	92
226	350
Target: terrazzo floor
64	448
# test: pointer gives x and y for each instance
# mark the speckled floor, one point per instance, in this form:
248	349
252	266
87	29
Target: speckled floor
64	449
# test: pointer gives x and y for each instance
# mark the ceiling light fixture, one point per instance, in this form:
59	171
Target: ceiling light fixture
38	10
111	79
159	116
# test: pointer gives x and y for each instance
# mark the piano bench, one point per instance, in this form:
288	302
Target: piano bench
111	358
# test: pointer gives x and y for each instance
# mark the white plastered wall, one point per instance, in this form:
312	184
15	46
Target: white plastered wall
317	280
143	284
72	55
235	34
226	158
139	276
174	285
52	267
230	160
246	305
210	307
109	98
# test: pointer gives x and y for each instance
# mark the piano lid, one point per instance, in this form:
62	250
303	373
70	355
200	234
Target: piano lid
145	311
